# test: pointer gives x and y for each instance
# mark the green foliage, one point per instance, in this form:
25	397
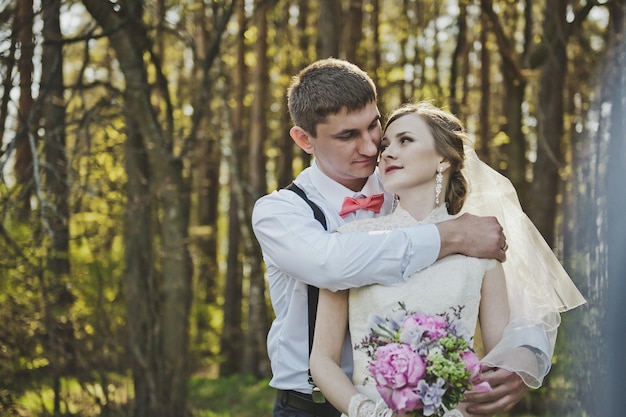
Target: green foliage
237	395
108	394
92	332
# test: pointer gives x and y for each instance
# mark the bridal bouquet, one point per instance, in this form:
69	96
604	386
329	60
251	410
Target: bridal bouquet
421	362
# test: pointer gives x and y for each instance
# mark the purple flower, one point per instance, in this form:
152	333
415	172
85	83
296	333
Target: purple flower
431	395
397	369
412	333
386	327
434	326
376	321
456	327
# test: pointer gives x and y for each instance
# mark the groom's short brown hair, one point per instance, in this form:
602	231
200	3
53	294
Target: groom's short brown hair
326	87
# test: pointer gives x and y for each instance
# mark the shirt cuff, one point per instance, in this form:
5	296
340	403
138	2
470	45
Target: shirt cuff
423	250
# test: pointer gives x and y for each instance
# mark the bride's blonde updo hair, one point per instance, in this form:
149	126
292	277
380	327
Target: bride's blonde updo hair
450	137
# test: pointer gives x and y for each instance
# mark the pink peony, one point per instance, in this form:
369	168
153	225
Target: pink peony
397	370
472	363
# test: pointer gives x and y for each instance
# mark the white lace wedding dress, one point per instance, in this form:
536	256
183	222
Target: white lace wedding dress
453	281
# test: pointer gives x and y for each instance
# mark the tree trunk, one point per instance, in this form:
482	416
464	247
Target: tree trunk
513	98
23	168
7	81
161	359
405	87
256	353
436	55
515	149
354	32
207	162
329	28
210	22
484	138
59	298
420	55
231	338
53	112
460	51
546	178
375	52
141	282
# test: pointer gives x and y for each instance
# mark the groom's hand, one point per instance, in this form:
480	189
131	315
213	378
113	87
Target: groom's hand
480	237
507	389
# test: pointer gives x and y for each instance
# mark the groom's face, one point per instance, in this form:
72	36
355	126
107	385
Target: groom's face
346	146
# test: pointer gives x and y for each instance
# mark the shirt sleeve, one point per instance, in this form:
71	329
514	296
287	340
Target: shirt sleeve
296	244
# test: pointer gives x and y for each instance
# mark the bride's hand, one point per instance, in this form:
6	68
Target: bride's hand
508	389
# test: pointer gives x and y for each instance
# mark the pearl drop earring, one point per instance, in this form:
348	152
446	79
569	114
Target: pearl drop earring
438	184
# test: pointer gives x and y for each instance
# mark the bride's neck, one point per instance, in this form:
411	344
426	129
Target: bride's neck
418	208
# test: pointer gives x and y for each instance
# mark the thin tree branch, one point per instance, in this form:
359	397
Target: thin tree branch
212	53
504	45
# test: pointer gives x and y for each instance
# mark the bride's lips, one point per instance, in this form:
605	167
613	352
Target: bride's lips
391	168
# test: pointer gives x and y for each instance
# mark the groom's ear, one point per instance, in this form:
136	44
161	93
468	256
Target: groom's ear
302	139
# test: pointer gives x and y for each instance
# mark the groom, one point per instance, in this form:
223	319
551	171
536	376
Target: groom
333	106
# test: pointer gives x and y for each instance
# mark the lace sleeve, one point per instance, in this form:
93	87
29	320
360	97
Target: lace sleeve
362	406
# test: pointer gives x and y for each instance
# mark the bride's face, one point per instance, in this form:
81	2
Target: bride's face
408	162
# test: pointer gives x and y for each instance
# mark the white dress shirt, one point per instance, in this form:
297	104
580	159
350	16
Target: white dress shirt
298	251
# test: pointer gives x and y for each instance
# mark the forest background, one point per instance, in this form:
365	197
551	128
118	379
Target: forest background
136	136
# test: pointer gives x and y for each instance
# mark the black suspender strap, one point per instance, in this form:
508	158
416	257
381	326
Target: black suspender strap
313	292
317	212
313	296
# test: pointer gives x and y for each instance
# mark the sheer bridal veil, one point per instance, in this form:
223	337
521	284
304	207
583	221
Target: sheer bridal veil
538	286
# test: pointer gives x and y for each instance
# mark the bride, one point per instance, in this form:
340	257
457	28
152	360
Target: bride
421	162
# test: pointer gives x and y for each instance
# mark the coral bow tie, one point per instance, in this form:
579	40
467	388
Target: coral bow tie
371	203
